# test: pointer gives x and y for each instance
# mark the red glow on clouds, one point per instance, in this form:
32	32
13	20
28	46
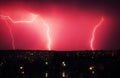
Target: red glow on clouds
52	28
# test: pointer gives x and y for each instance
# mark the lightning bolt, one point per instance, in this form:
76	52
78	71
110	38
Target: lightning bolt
93	32
28	21
47	33
47	29
13	21
11	34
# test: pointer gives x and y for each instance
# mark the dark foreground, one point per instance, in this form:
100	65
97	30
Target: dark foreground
59	64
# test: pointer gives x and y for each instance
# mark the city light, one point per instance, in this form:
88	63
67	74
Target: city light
63	74
46	75
63	64
1	63
93	72
46	63
21	67
91	67
23	72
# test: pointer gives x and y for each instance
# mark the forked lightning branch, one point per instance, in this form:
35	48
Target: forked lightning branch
28	21
47	27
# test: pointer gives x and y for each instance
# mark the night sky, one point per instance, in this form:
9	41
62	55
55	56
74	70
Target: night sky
70	22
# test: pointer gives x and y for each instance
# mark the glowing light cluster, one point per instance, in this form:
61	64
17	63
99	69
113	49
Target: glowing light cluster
27	21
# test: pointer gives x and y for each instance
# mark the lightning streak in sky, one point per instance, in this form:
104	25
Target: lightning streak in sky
11	34
94	31
6	18
30	21
13	21
48	34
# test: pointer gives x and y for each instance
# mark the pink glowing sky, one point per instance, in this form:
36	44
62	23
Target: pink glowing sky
71	26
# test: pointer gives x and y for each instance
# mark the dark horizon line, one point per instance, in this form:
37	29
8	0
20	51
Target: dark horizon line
57	50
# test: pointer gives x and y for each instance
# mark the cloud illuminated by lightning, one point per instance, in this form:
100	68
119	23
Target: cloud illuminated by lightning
30	21
47	27
94	31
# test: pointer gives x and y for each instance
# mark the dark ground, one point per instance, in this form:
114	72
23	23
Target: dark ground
75	64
